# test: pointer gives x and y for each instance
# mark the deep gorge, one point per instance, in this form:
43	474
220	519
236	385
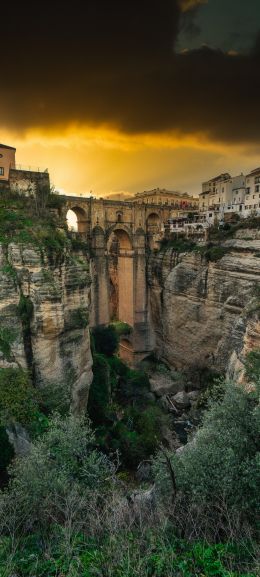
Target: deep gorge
203	311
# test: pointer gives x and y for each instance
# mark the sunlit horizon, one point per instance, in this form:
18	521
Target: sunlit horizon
102	161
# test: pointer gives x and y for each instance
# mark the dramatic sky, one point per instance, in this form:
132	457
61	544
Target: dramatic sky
126	95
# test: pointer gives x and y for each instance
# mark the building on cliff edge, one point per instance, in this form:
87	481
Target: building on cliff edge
19	179
224	196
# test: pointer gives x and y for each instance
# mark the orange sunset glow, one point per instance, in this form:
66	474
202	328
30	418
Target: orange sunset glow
103	161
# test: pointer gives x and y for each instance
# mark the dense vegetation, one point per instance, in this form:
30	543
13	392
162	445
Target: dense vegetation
36	221
125	416
179	244
70	510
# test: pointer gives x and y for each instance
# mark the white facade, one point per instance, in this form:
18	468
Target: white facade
209	199
224	195
252	196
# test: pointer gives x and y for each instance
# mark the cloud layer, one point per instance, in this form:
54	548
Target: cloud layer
113	63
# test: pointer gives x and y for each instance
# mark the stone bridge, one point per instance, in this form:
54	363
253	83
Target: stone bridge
120	234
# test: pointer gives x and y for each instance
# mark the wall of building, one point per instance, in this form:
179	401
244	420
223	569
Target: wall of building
7	159
252	197
28	182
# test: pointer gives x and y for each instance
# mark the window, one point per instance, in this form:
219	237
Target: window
257	188
257	179
248	190
1	156
2	171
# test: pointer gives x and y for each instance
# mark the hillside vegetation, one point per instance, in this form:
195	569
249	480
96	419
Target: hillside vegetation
69	510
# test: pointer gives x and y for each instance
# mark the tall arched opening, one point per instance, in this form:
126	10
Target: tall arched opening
121	271
153	223
77	219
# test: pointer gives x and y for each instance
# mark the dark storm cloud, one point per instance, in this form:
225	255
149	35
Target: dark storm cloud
114	62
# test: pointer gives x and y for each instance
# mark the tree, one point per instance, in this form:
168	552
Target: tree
106	340
220	467
59	481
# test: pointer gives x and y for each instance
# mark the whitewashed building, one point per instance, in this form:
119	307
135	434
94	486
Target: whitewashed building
252	196
223	195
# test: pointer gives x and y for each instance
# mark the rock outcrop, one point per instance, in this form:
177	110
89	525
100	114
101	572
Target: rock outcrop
206	313
44	308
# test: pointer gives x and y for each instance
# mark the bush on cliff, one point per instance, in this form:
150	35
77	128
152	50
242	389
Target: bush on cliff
58	481
138	434
120	406
219	470
100	390
106	340
18	398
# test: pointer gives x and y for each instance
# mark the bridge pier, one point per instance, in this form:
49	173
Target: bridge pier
100	281
119	233
129	267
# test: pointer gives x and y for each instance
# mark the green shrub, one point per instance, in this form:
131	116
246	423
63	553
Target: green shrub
18	398
55	397
106	340
54	200
79	318
7	338
221	464
215	253
118	366
9	270
134	389
178	244
100	393
25	312
138	435
78	243
252	366
121	328
131	553
57	480
6	451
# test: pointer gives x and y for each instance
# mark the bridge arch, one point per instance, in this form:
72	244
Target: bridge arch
153	222
77	218
119	226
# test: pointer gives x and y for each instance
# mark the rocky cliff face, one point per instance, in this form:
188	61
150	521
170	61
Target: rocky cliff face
44	306
206	314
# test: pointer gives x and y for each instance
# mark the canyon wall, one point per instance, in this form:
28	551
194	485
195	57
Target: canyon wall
44	309
206	314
